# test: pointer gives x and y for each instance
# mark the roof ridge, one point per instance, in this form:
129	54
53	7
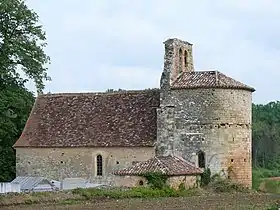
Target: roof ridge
117	92
184	160
165	166
208	79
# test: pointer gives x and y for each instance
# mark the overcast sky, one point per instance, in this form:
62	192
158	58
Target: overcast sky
99	44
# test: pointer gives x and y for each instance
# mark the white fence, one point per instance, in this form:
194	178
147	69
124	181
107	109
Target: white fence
6	187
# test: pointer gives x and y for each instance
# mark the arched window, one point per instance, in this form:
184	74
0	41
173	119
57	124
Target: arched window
180	60
185	58
99	165
201	159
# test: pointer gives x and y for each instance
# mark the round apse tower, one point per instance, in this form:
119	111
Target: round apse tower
204	117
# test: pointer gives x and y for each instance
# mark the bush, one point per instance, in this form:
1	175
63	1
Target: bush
206	177
265	173
225	185
272	186
260	175
156	180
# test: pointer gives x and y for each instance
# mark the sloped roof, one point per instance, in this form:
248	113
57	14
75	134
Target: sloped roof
29	182
169	165
207	79
125	118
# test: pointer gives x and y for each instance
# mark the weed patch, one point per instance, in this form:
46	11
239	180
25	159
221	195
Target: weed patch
226	186
139	192
156	180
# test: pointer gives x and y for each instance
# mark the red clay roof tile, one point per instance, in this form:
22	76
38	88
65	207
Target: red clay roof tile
126	118
169	165
207	79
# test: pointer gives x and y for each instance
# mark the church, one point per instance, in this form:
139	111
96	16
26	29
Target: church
194	120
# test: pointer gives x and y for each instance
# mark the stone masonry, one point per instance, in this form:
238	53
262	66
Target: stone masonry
60	163
178	58
216	121
192	113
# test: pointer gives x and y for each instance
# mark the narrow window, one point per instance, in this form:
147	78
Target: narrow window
201	159
99	165
185	58
180	60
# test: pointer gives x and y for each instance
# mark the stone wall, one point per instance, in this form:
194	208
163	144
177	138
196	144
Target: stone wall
130	181
172	181
60	163
178	58
187	181
216	121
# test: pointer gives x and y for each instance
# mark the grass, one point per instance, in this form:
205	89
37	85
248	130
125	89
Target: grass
262	180
219	194
79	195
138	192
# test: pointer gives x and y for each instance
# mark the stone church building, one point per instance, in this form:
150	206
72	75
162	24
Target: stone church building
196	119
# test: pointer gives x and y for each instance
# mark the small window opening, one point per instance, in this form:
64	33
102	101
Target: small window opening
201	159
185	58
61	161
117	162
180	60
231	160
244	160
141	182
99	165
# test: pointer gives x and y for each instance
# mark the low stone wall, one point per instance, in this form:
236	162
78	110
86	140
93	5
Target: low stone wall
187	181
173	181
130	181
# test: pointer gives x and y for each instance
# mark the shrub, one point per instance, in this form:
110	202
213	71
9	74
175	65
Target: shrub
225	185
272	186
156	180
260	175
206	177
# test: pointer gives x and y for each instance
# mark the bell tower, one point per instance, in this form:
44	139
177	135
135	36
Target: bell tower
178	58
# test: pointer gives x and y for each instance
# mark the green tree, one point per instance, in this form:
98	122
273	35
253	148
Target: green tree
15	105
22	42
266	135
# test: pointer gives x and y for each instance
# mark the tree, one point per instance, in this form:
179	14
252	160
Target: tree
15	105
22	42
266	135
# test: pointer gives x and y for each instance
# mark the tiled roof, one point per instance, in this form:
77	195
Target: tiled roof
207	79
169	165
126	118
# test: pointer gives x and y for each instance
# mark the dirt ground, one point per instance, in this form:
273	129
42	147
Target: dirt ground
213	202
